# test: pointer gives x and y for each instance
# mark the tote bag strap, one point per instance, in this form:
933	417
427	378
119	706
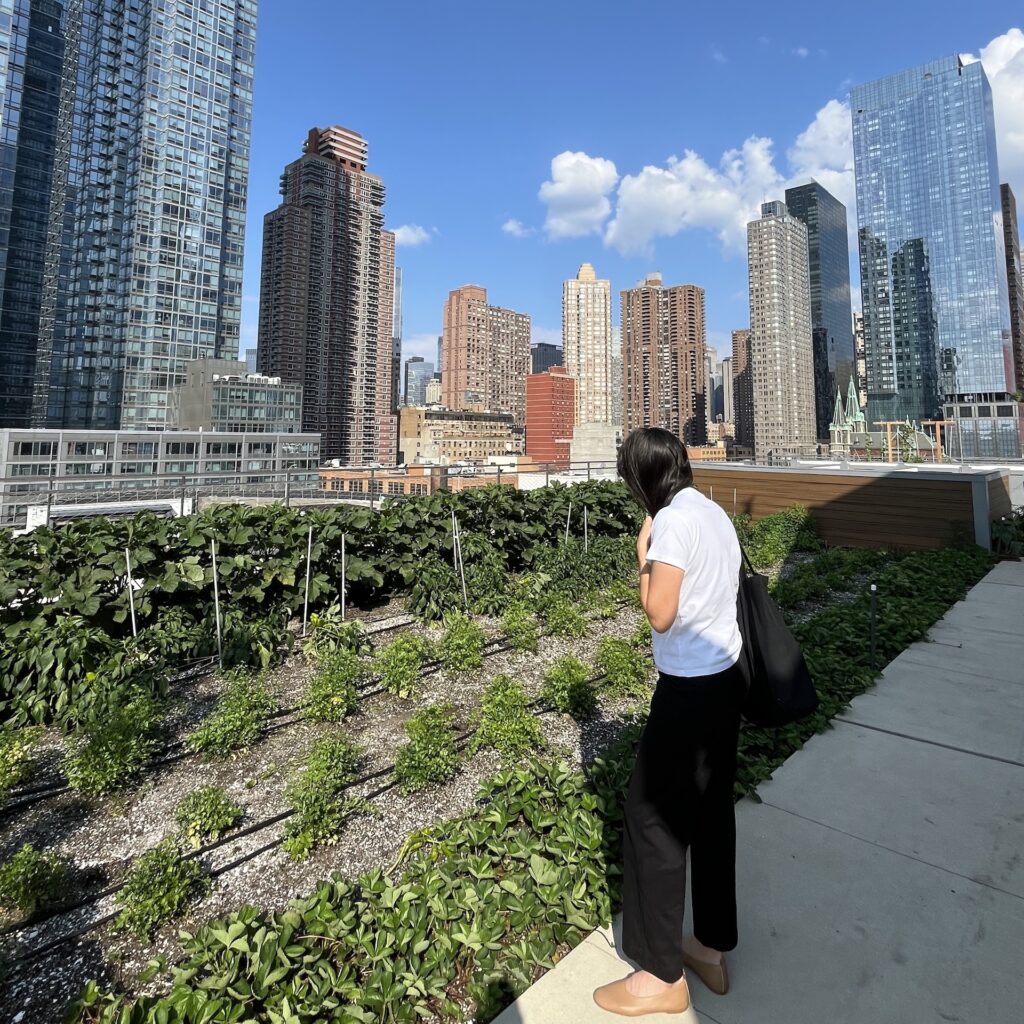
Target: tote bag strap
746	561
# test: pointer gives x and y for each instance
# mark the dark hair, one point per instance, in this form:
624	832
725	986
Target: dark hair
654	466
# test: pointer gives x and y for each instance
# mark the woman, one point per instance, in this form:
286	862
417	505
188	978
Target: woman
681	793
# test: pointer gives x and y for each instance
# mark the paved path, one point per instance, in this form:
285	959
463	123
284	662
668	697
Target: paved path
881	880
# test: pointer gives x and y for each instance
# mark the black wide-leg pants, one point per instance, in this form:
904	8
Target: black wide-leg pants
681	797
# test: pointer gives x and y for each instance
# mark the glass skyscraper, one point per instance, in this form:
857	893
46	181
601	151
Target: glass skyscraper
831	314
143	196
933	271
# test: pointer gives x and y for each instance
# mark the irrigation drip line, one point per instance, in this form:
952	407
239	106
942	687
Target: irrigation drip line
461	743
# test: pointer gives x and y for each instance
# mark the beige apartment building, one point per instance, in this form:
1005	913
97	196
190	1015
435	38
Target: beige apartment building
663	343
443	436
781	346
587	343
485	355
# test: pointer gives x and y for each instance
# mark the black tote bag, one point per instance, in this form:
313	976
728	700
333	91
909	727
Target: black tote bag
779	686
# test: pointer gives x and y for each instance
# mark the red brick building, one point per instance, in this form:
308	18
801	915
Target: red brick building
550	415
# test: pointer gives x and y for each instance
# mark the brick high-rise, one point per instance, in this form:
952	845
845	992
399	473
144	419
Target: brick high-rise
550	415
663	342
781	347
327	297
1014	280
742	389
485	355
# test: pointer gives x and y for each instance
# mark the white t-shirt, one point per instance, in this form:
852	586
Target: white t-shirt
695	535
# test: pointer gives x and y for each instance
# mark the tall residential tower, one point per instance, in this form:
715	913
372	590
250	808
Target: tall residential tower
932	257
1014	280
587	343
663	341
327	297
126	142
781	346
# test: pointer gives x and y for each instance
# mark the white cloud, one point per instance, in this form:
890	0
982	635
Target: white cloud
424	345
802	52
824	151
577	194
550	335
516	228
411	234
690	193
1003	59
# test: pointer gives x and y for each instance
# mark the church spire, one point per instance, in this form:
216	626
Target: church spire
853	411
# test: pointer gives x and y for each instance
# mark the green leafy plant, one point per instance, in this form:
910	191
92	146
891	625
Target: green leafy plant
487	582
318	796
31	879
329	633
642	636
256	643
332	694
239	718
505	721
1008	534
114	745
205	815
563	618
16	750
567	688
434	589
158	886
462	644
771	540
520	627
624	668
431	757
398	665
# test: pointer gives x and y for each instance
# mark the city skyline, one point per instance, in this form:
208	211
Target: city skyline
459	229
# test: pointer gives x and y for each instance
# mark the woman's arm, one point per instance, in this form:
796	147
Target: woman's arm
659	584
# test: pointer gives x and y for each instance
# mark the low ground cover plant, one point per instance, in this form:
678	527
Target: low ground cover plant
318	796
431	756
205	815
461	648
115	744
626	672
237	720
31	879
328	633
563	618
333	692
17	747
567	687
771	540
520	627
505	720
157	888
398	664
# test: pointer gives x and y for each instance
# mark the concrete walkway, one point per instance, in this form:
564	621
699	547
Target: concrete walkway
881	880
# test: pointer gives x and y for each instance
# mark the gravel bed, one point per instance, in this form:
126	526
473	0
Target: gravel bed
101	837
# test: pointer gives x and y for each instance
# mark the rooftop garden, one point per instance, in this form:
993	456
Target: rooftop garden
450	755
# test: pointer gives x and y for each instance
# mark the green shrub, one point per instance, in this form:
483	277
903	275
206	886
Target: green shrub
772	539
563	618
399	664
16	748
567	688
328	634
238	719
520	627
462	646
332	694
487	582
624	668
530	587
642	636
623	592
318	796
505	721
158	886
205	815
434	589
113	747
256	643
602	605
430	757
31	879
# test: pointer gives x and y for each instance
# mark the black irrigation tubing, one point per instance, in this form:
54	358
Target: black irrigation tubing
461	741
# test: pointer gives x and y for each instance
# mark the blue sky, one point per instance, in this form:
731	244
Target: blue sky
667	123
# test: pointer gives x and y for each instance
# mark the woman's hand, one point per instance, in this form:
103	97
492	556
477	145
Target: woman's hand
643	541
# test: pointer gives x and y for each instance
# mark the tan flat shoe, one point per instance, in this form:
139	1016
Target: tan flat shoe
714	976
616	998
